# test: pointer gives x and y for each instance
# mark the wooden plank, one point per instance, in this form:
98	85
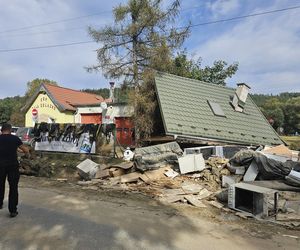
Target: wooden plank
132	177
157	174
194	201
116	172
102	174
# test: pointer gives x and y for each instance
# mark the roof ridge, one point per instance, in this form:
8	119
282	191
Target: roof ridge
75	90
195	80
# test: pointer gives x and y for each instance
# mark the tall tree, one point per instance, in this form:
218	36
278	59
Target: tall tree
141	27
291	111
190	68
7	106
141	39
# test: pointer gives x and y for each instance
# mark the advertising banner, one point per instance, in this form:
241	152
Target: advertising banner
82	145
68	138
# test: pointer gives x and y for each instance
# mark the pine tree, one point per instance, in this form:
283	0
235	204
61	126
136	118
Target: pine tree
140	41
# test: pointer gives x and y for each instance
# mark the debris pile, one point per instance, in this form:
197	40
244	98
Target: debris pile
250	183
257	184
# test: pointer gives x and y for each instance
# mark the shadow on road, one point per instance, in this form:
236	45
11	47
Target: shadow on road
90	220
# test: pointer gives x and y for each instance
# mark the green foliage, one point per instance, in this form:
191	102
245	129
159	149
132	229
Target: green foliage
10	107
104	92
7	107
291	111
121	94
284	109
33	85
5	113
190	68
275	114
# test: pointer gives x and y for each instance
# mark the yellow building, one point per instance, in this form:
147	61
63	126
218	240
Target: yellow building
57	104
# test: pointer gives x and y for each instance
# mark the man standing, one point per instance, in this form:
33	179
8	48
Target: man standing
9	167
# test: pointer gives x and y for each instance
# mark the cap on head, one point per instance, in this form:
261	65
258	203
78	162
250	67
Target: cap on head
6	127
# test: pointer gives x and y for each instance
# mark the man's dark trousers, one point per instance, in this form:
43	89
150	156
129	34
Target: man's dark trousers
13	176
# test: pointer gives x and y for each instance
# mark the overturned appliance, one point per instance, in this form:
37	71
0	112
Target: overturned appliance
258	201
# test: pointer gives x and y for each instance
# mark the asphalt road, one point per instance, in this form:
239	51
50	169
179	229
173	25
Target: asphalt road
58	218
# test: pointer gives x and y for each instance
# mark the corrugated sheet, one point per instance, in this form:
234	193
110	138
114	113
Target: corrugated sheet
185	111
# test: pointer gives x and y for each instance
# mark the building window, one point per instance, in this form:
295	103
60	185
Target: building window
216	109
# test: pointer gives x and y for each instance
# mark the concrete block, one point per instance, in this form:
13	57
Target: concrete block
251	172
191	163
87	169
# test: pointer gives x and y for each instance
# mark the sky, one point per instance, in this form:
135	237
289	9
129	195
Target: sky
267	47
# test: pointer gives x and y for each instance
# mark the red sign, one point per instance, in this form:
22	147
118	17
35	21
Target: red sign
34	112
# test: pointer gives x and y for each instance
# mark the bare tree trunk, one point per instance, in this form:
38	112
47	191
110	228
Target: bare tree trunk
135	76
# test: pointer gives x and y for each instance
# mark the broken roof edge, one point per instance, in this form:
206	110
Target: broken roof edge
160	106
216	140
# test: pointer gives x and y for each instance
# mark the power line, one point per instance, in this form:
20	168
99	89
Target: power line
72	19
81	17
46	46
245	16
54	22
42	32
194	25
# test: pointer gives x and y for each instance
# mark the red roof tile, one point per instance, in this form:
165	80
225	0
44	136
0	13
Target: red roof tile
70	98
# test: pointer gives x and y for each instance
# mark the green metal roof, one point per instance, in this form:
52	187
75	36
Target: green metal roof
185	109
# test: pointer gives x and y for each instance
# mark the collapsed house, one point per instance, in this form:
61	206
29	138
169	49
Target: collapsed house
262	182
257	183
193	111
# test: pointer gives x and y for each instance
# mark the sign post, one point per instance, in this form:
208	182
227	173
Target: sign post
34	113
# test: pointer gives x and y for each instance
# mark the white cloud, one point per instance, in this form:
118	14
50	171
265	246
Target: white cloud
267	49
223	7
64	64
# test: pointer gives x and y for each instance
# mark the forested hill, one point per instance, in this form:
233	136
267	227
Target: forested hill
261	99
121	94
282	111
